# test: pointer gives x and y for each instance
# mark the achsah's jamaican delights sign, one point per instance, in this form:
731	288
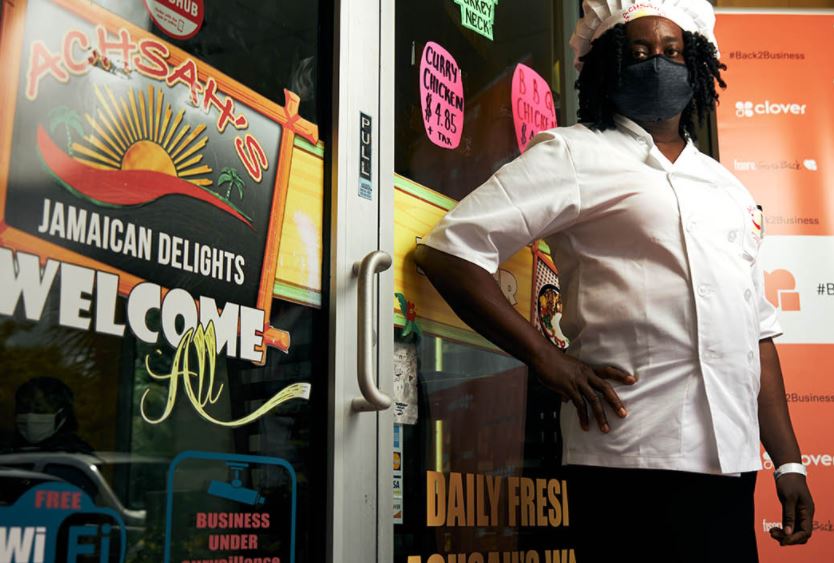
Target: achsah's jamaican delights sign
128	167
130	157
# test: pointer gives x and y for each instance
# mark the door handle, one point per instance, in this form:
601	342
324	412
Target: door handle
372	398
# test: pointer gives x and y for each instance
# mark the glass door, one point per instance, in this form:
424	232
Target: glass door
476	448
166	308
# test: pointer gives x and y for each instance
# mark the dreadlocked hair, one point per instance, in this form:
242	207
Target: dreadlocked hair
602	69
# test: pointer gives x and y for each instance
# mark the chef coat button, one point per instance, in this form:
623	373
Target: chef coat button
690	225
703	290
750	356
748	294
732	236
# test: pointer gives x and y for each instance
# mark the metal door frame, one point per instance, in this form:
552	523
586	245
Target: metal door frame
359	472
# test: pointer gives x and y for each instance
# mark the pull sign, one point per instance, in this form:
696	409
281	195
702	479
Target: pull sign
366	183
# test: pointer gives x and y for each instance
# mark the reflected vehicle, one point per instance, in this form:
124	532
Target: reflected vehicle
14	482
115	480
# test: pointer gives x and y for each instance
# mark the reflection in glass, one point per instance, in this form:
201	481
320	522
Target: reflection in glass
99	441
268	46
479	414
523	33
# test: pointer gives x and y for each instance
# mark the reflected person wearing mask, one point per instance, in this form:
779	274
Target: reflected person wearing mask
45	417
657	248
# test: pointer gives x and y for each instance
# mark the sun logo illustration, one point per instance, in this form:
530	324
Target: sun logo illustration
136	134
137	152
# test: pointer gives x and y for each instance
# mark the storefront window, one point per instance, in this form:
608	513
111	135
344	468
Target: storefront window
474	433
161	195
484	131
268	46
483	428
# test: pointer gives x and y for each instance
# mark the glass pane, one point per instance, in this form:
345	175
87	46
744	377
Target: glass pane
480	467
161	200
476	441
523	33
268	46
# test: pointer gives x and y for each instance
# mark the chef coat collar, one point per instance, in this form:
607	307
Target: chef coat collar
632	128
645	139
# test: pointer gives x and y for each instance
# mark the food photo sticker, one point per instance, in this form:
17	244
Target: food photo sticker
180	20
441	96
533	107
546	310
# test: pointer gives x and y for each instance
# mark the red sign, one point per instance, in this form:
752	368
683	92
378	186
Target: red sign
180	19
441	96
533	109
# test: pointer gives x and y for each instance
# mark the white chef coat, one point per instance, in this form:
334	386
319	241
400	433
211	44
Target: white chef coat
659	277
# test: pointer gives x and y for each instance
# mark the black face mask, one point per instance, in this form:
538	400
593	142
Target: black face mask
653	90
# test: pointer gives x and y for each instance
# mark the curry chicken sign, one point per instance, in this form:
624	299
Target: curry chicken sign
135	170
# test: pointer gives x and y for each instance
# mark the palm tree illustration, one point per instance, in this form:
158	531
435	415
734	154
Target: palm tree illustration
231	177
69	119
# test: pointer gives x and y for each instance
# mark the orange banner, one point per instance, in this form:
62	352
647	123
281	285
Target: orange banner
775	117
775	134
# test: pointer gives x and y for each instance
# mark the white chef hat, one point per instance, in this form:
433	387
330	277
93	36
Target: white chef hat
602	15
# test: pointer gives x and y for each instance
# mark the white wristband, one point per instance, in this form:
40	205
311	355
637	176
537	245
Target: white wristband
790	468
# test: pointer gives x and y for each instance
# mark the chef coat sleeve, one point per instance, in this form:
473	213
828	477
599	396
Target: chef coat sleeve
769	326
533	196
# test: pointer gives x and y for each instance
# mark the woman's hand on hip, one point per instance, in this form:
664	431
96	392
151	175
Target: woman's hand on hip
584	386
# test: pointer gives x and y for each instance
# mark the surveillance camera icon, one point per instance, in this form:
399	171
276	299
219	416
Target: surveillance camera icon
234	489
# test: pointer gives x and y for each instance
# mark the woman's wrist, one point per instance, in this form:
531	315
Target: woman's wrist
790	467
544	355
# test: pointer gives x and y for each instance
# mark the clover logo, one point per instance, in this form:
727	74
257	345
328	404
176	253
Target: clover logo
744	109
